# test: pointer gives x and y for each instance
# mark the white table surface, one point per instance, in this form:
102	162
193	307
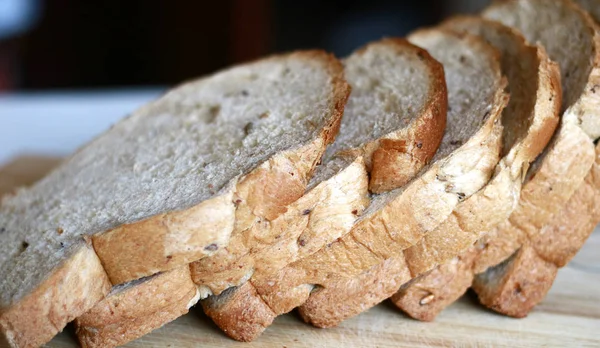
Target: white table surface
57	123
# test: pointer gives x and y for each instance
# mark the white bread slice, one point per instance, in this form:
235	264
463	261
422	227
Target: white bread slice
553	178
529	120
158	190
396	220
407	131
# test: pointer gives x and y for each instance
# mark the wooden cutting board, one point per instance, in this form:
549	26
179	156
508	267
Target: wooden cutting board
569	316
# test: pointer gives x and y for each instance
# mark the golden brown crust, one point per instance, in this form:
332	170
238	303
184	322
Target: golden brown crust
515	289
517	285
448	282
468	222
560	172
548	102
565	234
136	310
241	314
357	294
165	241
425	296
315	219
75	286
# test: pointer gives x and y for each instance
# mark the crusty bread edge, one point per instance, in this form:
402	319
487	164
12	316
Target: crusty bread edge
77	285
516	288
156	301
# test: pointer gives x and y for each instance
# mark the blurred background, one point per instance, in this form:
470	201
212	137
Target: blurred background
70	68
92	43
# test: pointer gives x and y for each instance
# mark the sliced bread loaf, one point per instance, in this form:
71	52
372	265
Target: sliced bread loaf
398	219
552	179
338	191
405	129
251	313
577	50
159	189
529	121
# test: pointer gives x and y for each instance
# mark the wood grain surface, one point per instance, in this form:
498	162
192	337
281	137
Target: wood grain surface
569	316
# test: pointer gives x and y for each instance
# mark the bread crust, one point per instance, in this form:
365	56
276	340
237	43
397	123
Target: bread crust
516	288
243	307
561	171
78	284
425	296
324	213
506	238
120	318
517	284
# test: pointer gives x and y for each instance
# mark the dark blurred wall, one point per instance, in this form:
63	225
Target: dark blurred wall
343	25
107	43
79	43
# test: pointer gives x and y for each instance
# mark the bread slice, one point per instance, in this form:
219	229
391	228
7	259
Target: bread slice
398	219
171	294
529	121
552	179
404	131
161	188
338	191
518	284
